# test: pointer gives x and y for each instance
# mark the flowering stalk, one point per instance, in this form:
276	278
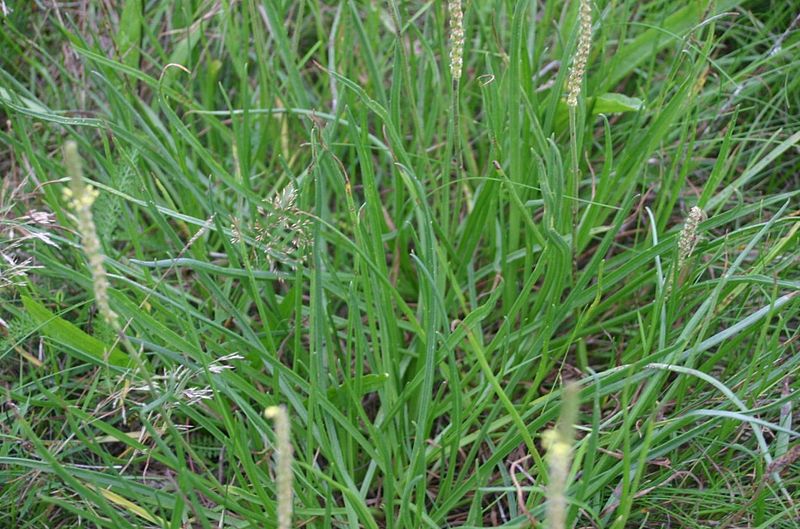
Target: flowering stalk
453	150
284	470
81	196
574	83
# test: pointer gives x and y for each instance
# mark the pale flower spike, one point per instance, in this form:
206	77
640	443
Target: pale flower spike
581	54
688	238
558	443
456	38
81	196
284	470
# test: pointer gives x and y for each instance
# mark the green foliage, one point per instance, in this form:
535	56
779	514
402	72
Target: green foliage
299	207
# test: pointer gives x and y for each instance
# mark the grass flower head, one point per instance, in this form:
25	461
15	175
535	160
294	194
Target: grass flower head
578	70
80	197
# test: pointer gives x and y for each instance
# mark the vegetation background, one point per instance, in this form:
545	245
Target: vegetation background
299	205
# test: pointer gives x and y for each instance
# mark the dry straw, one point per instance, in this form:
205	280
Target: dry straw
81	196
284	470
582	53
456	38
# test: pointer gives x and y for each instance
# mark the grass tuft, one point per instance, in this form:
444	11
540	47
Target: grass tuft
405	225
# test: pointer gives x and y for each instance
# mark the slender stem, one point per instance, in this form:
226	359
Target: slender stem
458	154
574	181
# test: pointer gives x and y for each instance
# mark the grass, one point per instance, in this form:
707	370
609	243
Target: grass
298	206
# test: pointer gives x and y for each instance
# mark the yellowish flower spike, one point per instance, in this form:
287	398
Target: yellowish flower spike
456	38
581	54
284	470
688	237
558	443
80	197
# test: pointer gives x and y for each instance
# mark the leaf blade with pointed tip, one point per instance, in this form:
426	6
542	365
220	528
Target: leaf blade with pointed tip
66	333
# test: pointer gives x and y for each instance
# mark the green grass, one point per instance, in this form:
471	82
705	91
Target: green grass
419	302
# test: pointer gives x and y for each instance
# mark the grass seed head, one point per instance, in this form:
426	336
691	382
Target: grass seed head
283	230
